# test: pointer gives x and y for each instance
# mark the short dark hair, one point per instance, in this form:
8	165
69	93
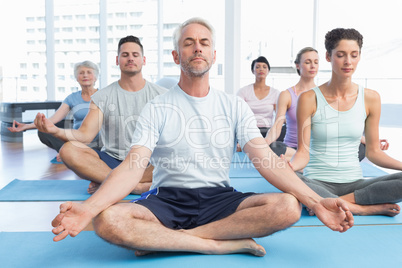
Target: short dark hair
130	38
332	38
260	59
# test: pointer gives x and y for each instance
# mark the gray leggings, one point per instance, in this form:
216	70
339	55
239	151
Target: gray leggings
381	190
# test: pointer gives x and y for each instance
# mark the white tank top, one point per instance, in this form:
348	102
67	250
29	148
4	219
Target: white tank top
335	140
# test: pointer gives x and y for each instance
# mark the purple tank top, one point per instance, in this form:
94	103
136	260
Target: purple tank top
291	123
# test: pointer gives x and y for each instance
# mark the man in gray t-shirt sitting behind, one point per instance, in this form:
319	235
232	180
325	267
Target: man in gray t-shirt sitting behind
113	111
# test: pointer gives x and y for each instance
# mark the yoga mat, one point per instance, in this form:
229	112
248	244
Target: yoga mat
361	246
47	190
247	169
76	190
54	161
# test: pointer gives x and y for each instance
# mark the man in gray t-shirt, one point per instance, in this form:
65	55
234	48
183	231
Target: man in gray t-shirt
113	112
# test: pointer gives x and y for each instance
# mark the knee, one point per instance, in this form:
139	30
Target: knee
290	208
70	150
105	224
66	150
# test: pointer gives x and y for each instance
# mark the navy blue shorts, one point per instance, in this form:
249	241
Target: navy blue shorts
180	208
110	161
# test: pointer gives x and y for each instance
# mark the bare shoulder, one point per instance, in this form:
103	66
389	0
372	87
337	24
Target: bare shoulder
371	95
285	95
308	95
372	101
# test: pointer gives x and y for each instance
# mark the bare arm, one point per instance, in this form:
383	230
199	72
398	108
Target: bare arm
281	107
373	150
59	115
306	107
334	213
86	133
74	217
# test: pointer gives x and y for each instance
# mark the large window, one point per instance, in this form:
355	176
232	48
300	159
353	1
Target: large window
35	62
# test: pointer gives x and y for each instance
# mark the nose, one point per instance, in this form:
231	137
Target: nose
197	48
348	60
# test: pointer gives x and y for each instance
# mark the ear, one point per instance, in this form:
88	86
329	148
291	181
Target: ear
175	55
144	60
214	57
328	56
117	60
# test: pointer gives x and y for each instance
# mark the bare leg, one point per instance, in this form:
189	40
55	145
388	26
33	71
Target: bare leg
253	218
93	168
380	209
257	216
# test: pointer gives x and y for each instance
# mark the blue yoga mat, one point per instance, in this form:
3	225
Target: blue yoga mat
47	190
54	161
361	246
76	190
247	169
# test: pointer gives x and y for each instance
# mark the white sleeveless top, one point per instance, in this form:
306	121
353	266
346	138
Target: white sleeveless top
335	140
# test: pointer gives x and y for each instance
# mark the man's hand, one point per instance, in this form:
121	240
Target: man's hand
334	213
71	220
44	125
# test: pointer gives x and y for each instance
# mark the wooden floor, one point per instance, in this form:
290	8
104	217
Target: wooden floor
29	160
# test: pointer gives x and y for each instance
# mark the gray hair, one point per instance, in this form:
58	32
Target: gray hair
87	64
177	33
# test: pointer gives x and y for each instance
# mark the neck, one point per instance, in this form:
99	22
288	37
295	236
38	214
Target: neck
88	90
340	86
194	86
132	82
304	84
260	83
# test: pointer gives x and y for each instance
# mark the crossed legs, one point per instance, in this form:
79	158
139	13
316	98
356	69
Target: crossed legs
376	196
85	162
133	226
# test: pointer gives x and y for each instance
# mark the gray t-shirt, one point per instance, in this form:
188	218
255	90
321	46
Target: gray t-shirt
121	109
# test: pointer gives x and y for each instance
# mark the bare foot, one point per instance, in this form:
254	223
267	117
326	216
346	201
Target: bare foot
140	253
142	187
224	247
380	209
93	186
58	158
239	246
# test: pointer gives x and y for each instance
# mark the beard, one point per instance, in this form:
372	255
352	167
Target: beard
195	71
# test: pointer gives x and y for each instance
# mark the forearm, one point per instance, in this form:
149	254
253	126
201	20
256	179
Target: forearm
73	135
381	159
284	178
274	132
118	184
121	181
299	160
277	172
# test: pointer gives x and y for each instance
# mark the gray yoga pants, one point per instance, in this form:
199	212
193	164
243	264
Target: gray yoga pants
380	190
